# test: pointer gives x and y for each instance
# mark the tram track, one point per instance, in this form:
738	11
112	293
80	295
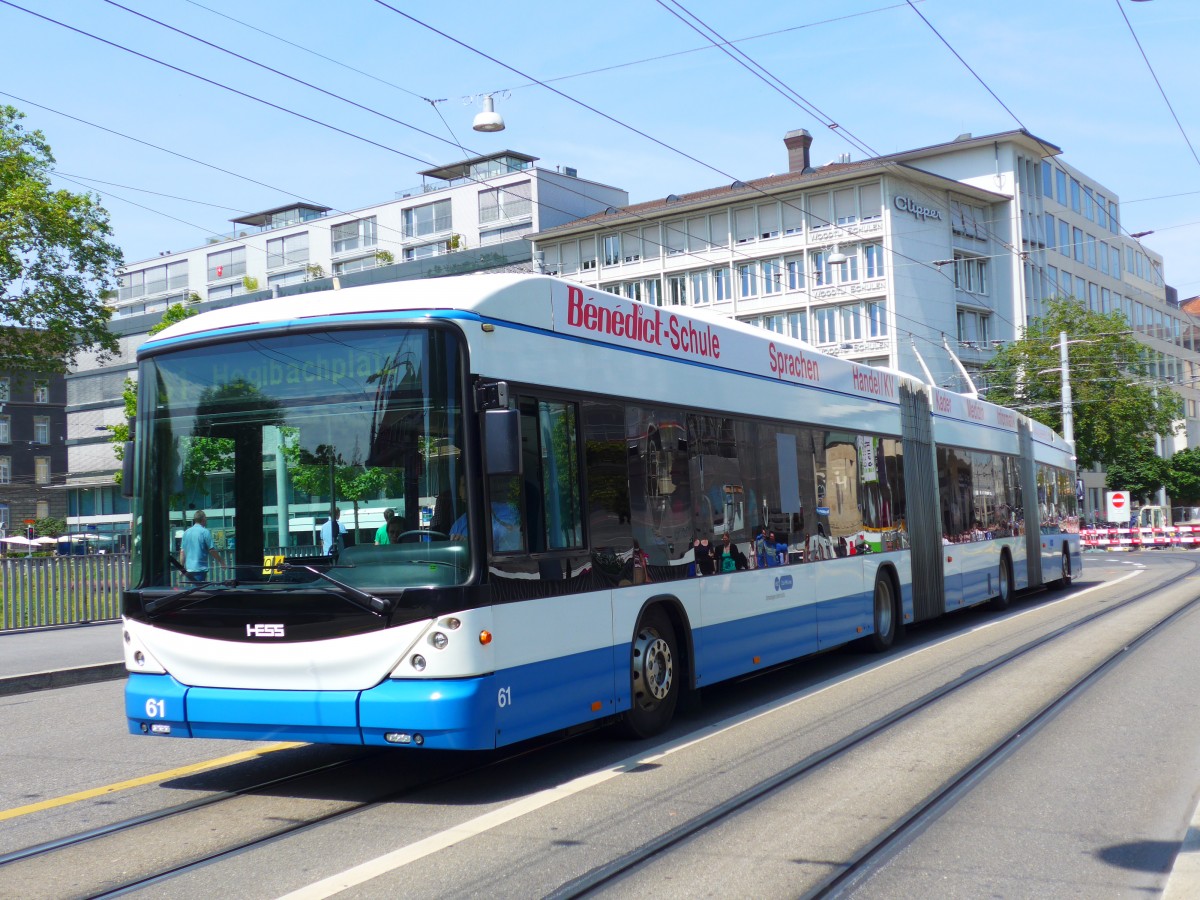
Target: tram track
859	865
447	769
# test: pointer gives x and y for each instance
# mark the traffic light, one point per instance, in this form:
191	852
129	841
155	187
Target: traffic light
29	532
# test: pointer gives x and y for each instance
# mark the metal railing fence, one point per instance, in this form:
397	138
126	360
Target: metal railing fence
61	590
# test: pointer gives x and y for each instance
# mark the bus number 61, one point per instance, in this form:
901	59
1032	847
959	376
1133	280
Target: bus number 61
156	709
504	697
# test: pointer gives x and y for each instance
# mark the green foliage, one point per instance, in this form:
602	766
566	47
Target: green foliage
384	257
250	283
1182	477
176	312
1115	404
49	526
313	271
310	473
56	260
1140	471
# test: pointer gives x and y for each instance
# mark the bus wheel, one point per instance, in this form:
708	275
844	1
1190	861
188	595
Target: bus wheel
884	614
654	677
1002	599
1064	578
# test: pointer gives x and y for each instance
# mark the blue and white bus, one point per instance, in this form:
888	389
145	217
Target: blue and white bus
526	476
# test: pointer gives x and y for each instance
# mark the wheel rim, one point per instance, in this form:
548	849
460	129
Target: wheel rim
1003	581
1066	568
653	668
883	607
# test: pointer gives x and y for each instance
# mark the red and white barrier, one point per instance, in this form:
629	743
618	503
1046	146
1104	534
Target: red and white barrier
1128	538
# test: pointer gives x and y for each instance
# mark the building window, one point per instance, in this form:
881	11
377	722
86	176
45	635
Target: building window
4	389
432	218
876	319
793	217
1090	246
287	251
772	277
426	251
676	237
41	429
5	429
227	290
745	228
513	201
41	469
798	324
1047	179
795	273
227	264
851	322
41	392
43	509
1113	225
968	221
848	271
970	273
869	203
768	221
873	255
5	470
1075	194
699	288
612	249
285	278
820	274
1064	238
631	244
496	235
155	280
677	290
824	325
697	231
818	210
748	279
723	280
845	211
653	294
1077	243
346	266
1060	186
348	236
1089	205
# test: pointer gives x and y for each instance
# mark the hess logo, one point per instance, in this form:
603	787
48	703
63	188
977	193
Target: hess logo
264	631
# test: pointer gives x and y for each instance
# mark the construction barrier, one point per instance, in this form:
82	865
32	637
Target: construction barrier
1186	537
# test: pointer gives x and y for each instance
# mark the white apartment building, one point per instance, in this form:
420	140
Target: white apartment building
467	216
889	258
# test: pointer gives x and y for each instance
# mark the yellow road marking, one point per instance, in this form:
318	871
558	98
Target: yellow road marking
145	779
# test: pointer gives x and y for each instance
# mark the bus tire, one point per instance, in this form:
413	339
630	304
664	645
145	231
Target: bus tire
654	675
884	607
1004	597
1065	577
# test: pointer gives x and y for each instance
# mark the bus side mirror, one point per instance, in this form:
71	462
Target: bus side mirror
127	471
502	441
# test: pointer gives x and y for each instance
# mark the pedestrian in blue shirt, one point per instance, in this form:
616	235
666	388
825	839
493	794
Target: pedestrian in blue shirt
196	549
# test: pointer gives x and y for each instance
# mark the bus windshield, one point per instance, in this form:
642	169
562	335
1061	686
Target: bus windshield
268	460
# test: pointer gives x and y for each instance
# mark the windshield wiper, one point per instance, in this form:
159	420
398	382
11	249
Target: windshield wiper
172	601
372	604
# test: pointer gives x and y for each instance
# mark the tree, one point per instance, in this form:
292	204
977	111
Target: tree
1182	477
311	472
1115	402
57	261
1140	471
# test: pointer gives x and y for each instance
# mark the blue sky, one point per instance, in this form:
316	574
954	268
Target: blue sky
1070	71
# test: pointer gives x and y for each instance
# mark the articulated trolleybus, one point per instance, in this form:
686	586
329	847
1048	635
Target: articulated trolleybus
551	507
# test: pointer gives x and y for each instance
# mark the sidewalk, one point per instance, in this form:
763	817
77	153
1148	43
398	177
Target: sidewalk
41	658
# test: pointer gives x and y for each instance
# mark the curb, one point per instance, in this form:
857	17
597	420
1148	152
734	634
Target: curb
43	681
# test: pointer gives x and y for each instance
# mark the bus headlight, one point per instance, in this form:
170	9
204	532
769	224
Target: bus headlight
439	640
418	662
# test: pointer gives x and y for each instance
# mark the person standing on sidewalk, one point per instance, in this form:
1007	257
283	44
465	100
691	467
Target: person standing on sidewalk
197	548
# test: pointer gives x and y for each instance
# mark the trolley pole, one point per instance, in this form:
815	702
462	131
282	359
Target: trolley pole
1068	416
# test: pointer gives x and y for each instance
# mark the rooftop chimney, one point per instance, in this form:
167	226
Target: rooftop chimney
798	143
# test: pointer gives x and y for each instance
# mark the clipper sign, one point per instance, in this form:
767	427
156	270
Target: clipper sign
909	205
599	316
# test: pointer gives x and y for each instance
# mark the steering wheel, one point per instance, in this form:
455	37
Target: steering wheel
418	534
